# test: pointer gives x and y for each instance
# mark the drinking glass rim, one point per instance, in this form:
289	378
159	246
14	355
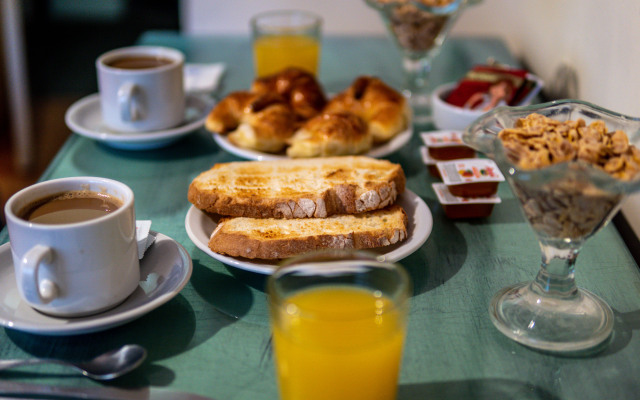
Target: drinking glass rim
399	298
447	9
311	21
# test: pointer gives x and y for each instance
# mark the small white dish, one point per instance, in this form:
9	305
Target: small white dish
379	151
199	227
448	116
84	117
165	269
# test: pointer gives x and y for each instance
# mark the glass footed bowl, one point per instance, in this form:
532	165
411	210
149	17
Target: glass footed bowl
418	30
565	204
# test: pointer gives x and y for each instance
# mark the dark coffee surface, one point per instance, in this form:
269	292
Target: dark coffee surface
139	62
70	207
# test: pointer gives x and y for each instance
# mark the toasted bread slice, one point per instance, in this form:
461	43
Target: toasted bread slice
300	188
272	238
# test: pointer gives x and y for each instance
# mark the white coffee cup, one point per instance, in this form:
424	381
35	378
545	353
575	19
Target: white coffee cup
77	268
141	88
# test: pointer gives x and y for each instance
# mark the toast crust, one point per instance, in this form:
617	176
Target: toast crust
303	188
281	238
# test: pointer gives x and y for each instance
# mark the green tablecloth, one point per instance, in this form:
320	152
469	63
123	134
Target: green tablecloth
213	338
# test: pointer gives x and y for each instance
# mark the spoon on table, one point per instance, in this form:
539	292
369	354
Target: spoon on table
106	366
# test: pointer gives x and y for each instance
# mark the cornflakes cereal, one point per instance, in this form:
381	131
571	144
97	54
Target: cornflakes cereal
416	29
537	141
570	206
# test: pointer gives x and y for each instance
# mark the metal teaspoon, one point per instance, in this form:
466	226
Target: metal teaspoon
106	366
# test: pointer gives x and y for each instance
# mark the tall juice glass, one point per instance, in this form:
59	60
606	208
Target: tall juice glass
339	321
284	39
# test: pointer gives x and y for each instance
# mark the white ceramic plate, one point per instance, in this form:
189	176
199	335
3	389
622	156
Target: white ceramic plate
85	118
199	227
165	269
377	151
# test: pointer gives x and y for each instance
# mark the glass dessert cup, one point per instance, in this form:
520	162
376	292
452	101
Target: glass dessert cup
565	204
419	31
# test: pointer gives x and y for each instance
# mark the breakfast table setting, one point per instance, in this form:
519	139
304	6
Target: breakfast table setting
202	319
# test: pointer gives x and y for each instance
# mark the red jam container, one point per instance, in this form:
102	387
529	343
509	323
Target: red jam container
446	145
470	177
429	162
456	207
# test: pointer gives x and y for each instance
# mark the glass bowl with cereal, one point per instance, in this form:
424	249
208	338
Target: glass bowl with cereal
571	164
418	28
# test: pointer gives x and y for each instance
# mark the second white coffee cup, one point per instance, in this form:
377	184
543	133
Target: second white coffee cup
141	88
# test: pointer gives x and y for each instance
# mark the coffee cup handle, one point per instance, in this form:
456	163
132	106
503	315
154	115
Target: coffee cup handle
34	291
129	102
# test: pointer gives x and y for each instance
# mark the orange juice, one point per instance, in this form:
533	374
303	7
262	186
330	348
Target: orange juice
338	342
273	53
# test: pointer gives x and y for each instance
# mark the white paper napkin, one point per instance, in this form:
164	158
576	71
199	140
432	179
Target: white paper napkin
202	78
142	236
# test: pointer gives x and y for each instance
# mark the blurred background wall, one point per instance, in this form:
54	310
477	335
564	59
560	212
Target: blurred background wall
597	38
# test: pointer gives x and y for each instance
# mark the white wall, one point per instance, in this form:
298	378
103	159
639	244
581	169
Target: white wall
595	37
600	39
346	17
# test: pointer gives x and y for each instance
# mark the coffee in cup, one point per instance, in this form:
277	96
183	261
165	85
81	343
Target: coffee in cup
73	242
70	207
141	88
139	62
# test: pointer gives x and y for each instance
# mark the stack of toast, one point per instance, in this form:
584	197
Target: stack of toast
279	209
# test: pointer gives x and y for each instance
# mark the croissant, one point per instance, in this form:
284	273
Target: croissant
299	87
262	122
330	134
384	109
226	115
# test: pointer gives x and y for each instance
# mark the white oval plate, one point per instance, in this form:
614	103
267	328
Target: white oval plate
84	117
377	151
165	269
199	227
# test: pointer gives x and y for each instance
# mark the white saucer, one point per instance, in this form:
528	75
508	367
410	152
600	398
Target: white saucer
199	227
377	151
85	118
166	268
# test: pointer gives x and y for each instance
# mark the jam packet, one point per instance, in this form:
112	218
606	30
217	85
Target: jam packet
470	177
429	162
446	145
456	207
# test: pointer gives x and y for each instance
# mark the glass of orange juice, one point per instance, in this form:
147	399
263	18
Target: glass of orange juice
338	322
287	38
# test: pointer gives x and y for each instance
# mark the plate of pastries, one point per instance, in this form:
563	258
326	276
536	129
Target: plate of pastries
288	115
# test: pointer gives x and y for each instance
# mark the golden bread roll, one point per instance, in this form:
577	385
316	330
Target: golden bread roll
226	115
383	108
262	122
330	134
299	87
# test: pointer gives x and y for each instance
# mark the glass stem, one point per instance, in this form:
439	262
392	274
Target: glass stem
417	76
557	273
